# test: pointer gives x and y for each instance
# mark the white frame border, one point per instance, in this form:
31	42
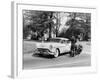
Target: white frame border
16	67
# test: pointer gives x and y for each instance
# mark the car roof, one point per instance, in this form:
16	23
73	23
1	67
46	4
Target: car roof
61	38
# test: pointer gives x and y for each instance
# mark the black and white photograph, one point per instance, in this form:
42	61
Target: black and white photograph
56	39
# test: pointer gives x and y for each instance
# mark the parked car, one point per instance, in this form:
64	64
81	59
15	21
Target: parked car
56	46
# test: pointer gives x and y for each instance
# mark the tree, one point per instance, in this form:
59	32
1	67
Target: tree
80	24
39	21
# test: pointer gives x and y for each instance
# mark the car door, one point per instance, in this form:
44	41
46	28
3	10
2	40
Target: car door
62	46
67	45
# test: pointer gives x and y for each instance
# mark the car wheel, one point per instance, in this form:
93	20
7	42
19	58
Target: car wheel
56	54
79	49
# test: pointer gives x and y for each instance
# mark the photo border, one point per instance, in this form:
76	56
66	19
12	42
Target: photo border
17	40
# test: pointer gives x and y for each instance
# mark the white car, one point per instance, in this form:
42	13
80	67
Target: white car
55	46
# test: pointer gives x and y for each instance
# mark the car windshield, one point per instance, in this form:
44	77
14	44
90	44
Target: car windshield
55	40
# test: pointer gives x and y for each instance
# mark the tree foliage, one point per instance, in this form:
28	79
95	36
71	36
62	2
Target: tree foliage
39	22
80	23
36	23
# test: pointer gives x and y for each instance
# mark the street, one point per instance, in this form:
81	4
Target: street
37	62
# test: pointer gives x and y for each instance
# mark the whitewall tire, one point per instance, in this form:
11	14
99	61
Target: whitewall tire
56	54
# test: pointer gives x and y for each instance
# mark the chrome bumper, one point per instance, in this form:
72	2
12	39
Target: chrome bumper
43	51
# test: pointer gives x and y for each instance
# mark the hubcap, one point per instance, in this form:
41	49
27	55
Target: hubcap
56	53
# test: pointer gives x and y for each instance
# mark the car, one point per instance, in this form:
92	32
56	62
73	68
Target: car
57	46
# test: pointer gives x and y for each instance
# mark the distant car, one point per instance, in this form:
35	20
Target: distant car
56	46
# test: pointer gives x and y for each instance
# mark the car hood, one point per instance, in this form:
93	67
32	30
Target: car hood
46	44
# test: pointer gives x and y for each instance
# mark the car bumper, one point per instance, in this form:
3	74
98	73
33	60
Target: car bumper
43	51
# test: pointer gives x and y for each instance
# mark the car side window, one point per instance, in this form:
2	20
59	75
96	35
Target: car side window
68	41
65	41
62	41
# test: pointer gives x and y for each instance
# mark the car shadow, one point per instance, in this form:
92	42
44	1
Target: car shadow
65	54
49	56
43	56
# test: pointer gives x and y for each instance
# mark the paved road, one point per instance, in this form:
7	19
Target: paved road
36	62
